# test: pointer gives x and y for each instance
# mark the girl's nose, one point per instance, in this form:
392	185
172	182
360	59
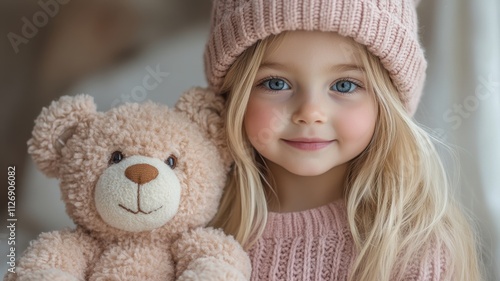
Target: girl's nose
311	110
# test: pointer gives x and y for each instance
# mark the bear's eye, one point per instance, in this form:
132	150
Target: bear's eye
171	161
116	157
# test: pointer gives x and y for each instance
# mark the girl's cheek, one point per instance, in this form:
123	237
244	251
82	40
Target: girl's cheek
357	124
255	122
256	119
263	122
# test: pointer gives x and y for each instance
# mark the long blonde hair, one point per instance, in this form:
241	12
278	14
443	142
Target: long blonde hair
398	199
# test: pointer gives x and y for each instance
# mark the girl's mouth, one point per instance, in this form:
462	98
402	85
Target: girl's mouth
308	144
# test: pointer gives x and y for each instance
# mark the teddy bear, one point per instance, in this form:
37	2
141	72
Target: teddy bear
140	182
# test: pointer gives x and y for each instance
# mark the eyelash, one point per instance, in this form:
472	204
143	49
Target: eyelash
267	78
352	80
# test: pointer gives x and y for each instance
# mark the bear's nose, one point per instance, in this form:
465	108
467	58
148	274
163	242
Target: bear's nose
141	173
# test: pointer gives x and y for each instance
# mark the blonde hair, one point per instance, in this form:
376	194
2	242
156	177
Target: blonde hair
398	198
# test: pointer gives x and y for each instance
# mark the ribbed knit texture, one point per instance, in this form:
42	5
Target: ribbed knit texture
317	245
388	28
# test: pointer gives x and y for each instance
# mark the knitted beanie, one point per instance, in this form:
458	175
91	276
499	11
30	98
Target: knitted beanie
388	28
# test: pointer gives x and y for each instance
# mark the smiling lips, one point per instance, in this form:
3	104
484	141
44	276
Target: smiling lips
308	144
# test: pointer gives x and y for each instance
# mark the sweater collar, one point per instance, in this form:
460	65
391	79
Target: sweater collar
325	219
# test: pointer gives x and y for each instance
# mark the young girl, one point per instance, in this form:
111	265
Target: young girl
332	180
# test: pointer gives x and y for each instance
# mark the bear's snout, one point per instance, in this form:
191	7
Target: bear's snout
137	194
141	173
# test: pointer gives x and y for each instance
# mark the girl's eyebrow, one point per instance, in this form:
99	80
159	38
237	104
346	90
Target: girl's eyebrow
271	65
348	67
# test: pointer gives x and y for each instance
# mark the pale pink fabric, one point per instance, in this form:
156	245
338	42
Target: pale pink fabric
389	29
317	245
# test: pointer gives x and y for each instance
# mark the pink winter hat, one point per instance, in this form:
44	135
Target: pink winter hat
388	28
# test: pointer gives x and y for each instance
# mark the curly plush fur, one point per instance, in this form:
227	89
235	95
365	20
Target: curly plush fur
140	182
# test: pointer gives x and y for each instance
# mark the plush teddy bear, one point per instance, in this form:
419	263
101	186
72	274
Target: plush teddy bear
140	182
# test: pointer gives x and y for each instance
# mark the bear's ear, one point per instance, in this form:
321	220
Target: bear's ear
207	109
54	126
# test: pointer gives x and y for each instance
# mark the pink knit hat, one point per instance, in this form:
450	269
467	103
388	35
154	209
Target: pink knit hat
388	28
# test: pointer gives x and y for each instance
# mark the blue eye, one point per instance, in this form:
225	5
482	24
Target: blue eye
276	84
344	86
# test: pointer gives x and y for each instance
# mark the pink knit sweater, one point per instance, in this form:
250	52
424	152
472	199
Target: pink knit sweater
317	245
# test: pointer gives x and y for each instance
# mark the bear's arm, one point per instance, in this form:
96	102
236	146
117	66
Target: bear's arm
57	255
210	254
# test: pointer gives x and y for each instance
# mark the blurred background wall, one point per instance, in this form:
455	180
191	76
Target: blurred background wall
50	48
